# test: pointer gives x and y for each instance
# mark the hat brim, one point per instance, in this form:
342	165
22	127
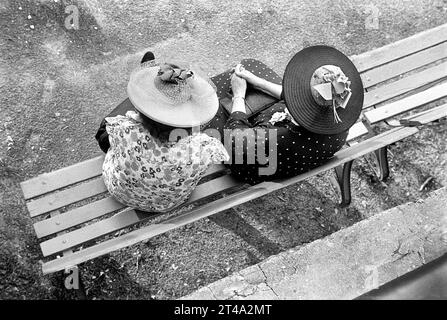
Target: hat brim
152	103
298	96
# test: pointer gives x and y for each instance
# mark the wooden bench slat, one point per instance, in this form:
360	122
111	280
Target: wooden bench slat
215	168
401	66
76	216
127	218
407	104
212	187
401	48
356	131
209	209
65	197
77	237
405	85
427	116
58	179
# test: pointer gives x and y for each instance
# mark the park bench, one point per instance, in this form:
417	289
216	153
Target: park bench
77	220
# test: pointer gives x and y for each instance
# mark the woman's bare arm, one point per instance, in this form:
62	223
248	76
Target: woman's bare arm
268	87
263	85
239	86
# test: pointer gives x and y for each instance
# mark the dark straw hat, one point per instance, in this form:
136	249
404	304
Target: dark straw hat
300	96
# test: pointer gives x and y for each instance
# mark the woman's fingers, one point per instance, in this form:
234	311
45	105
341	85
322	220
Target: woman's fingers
239	69
238	85
236	78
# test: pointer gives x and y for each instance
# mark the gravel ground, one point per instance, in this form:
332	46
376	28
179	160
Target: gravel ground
57	84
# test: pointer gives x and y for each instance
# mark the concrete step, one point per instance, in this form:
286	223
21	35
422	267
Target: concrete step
348	263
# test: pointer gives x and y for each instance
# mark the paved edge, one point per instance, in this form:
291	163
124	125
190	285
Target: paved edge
349	262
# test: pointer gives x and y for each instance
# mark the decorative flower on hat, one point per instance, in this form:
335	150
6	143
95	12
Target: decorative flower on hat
169	73
282	116
333	86
171	81
278	117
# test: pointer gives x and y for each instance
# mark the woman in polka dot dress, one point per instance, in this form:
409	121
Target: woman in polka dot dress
275	139
297	149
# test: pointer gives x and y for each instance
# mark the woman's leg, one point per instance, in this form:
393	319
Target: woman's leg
261	70
223	80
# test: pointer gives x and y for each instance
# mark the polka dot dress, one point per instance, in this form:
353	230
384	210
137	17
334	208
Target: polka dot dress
265	150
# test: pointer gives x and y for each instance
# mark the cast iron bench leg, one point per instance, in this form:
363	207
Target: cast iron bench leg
378	161
382	161
343	174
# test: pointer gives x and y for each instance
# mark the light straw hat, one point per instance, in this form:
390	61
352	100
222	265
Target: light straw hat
172	96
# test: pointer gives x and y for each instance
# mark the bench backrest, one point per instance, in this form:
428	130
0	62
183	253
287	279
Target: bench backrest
398	77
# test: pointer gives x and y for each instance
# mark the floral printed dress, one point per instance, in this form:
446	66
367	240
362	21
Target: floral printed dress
145	174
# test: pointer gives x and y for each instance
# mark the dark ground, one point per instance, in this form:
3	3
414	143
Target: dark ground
57	84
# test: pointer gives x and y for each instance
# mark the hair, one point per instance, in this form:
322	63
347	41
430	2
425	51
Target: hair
159	130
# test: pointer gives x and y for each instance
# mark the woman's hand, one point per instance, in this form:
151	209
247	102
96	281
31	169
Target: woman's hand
243	73
238	85
268	87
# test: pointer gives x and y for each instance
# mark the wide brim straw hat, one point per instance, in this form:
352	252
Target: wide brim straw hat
191	103
300	98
